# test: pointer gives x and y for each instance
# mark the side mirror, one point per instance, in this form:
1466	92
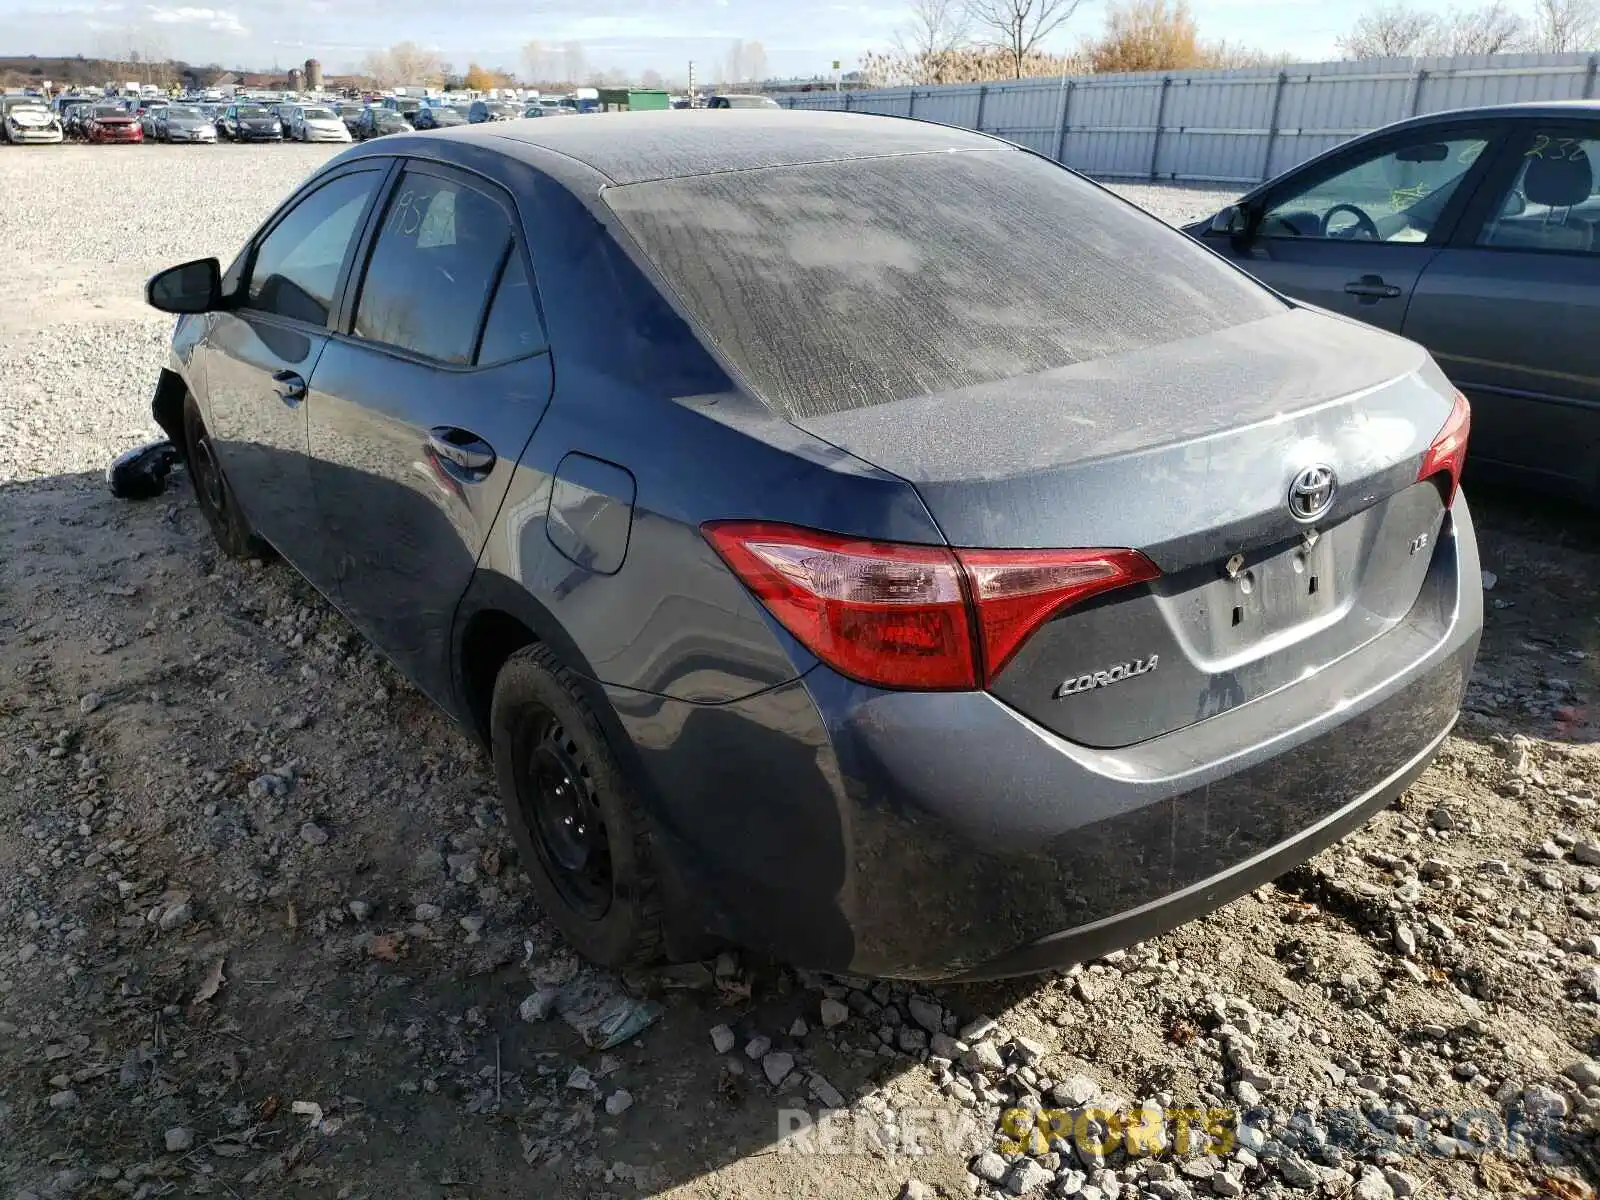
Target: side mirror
191	287
1516	204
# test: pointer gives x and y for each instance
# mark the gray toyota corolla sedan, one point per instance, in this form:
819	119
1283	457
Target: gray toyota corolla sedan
858	540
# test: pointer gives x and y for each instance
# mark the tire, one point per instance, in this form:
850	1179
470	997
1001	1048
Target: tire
214	495
544	738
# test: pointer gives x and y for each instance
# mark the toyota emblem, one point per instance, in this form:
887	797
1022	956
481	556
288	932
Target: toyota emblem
1311	493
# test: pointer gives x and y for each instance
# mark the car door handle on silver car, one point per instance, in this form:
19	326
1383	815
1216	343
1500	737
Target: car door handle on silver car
463	454
290	387
1371	287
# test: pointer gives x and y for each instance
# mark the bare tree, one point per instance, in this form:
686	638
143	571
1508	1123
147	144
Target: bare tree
417	63
402	64
535	61
1017	27
1397	30
1562	26
1492	29
1390	31
935	27
651	79
755	61
574	63
733	64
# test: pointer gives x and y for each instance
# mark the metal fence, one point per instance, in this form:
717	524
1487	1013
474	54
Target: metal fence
1240	126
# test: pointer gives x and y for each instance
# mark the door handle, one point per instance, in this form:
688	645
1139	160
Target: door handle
1371	287
290	387
463	453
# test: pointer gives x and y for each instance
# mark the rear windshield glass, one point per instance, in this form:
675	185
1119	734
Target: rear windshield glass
841	285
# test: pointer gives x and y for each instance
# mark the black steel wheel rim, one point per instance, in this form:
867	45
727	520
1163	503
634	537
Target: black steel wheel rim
209	475
563	814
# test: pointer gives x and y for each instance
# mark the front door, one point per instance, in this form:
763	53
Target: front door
1352	233
1511	308
260	355
420	412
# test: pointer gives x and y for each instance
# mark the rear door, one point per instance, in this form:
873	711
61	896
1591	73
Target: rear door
259	357
1353	232
422	406
1511	308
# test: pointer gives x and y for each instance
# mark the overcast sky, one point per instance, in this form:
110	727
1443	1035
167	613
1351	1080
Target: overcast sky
799	37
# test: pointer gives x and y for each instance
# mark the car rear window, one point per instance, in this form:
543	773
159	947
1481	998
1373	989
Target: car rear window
840	285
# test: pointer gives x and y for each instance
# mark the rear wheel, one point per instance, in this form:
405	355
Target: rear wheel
582	835
217	503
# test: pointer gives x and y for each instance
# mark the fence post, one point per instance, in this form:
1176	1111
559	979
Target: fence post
1063	126
849	101
1272	125
1416	91
983	95
911	103
1588	78
1161	116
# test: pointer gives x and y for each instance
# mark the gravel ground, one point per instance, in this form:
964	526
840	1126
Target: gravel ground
261	932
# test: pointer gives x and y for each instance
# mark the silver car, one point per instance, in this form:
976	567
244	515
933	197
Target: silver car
314	123
30	122
1476	233
181	123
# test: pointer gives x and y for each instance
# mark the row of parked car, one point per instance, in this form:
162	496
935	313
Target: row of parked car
27	118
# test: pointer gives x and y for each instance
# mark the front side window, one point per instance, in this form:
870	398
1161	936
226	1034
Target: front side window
437	255
296	267
1553	203
1392	195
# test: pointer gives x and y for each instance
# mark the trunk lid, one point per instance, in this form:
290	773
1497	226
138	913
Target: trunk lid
1187	451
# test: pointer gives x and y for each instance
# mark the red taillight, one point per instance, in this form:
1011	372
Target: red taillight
1448	454
918	617
879	612
1018	590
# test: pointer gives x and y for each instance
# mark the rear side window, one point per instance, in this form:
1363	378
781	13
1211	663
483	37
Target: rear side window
842	285
1554	201
513	329
296	267
436	258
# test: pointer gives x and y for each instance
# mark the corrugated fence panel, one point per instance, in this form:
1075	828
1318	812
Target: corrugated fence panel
1238	126
1027	113
947	106
893	103
1113	120
1215	127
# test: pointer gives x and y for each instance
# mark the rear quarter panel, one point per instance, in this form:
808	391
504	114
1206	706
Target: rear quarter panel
635	389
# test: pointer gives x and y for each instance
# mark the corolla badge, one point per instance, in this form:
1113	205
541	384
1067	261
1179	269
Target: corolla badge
1099	679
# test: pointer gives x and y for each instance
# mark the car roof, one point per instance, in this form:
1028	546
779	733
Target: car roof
635	147
1524	108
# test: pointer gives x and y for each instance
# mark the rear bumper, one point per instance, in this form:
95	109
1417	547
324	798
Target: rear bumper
1085	942
946	836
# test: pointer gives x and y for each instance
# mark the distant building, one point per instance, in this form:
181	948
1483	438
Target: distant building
297	79
313	75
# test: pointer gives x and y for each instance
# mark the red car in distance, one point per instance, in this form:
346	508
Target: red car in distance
110	124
